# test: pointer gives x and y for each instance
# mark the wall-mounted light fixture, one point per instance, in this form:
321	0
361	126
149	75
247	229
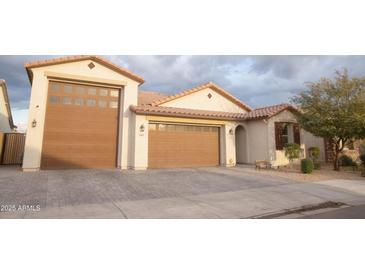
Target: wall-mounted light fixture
34	123
231	131
141	128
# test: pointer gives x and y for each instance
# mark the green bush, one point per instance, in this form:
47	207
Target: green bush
307	166
317	165
346	161
292	151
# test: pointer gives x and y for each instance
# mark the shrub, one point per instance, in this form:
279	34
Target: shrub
307	166
314	153
346	161
292	151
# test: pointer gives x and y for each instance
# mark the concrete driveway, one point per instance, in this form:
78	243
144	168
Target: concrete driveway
171	193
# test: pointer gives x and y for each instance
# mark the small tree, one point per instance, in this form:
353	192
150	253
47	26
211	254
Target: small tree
314	153
292	152
334	109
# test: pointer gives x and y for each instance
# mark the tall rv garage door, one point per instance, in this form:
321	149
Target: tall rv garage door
172	145
81	127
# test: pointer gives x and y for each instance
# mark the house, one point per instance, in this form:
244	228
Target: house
86	112
6	119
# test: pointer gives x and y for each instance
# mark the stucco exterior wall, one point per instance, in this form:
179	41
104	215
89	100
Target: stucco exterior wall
4	115
200	100
228	145
257	141
38	99
140	143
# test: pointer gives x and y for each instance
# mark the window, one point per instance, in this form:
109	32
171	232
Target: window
285	134
91	102
91	91
102	104
80	90
79	102
113	104
55	87
114	93
66	100
103	92
68	89
54	99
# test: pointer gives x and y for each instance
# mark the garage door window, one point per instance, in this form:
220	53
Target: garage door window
66	100
152	127
91	103
91	91
113	104
182	128
55	87
103	92
54	99
102	104
80	90
114	93
68	89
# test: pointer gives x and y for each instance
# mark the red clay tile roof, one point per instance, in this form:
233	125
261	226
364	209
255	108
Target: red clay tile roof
188	113
207	85
148	97
68	59
260	113
268	112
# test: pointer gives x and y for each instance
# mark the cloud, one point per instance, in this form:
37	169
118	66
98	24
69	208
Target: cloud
256	80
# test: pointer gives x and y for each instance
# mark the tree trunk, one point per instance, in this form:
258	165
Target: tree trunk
336	165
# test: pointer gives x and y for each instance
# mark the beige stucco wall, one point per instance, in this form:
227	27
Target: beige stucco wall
200	100
139	146
37	106
257	141
4	115
312	141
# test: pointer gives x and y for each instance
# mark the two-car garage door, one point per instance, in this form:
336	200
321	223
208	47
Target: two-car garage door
176	145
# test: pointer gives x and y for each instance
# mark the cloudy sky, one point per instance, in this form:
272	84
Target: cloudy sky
256	80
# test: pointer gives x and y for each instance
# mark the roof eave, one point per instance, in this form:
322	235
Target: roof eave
211	85
181	115
98	59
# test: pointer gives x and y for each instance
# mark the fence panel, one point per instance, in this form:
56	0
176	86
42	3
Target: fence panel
13	149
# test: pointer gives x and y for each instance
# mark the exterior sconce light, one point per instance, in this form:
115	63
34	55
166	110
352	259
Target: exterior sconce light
231	131
34	123
141	128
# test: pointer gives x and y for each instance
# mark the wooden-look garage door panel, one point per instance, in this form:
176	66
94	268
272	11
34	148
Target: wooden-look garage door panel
182	146
81	127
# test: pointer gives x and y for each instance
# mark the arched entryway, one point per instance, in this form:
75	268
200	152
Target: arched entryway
241	141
